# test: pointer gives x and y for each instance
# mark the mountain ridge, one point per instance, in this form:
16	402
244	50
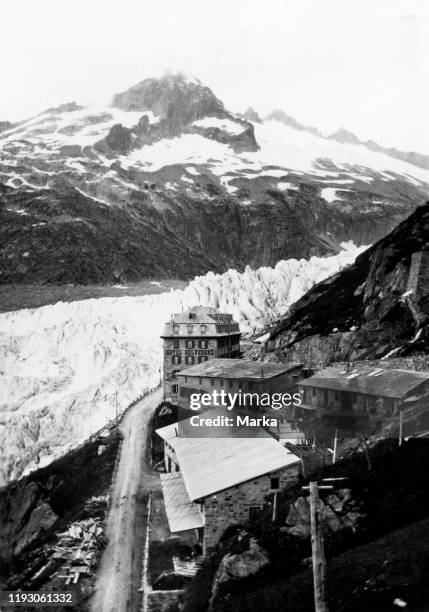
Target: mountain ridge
183	186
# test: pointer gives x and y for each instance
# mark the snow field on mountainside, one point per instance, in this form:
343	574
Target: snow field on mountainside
61	365
288	149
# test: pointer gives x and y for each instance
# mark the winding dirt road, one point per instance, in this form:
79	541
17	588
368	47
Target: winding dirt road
119	574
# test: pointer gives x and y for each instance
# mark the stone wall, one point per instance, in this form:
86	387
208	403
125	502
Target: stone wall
231	507
419	363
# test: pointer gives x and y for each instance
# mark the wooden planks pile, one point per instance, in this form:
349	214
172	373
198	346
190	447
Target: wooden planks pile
81	545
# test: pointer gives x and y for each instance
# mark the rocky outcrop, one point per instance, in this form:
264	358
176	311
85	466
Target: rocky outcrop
42	520
282	117
177	102
119	140
417	159
338	511
236	566
377	307
174	96
5	125
345	137
241	565
251	115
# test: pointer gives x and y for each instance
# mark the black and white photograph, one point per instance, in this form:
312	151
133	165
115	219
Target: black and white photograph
214	306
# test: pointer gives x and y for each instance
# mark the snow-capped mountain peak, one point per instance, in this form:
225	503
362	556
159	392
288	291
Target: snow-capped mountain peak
164	158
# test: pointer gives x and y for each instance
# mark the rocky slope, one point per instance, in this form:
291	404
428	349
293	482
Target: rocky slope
417	159
377	307
166	182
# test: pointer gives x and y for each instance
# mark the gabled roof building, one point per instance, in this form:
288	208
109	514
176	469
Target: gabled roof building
212	483
378	394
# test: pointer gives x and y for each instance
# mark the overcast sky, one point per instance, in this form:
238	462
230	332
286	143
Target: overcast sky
355	63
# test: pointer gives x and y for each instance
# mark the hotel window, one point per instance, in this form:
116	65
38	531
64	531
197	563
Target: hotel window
230	384
176	328
190	360
192	315
176	343
176	359
190	329
190	344
203	329
274	482
174	374
186	379
212	382
203	344
222	382
314	391
200	359
200	381
174	389
205	358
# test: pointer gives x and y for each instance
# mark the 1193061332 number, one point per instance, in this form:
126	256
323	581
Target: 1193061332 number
38	598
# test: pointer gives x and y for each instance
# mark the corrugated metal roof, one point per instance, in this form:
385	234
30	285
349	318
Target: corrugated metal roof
238	368
394	383
182	514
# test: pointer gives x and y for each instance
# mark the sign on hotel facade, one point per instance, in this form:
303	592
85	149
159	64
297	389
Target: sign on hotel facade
195	336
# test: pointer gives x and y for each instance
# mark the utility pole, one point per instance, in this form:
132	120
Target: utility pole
317	544
318	552
274	507
334	455
401	425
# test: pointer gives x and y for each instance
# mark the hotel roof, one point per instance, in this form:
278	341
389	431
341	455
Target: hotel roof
368	381
239	368
202	315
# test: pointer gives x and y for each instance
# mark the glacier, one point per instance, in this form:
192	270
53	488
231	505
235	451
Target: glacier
65	368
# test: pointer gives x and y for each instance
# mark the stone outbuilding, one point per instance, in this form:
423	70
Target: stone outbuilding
211	483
